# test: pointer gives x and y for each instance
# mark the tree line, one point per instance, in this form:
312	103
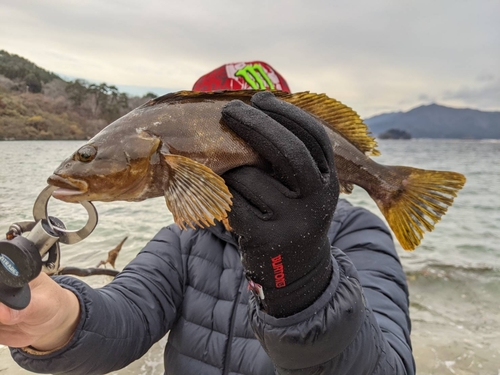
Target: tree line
104	101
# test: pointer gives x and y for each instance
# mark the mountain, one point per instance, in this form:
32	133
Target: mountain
437	121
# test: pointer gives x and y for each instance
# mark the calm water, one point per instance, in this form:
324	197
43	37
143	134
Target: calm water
454	275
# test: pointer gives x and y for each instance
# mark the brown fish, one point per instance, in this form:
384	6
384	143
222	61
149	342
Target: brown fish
177	146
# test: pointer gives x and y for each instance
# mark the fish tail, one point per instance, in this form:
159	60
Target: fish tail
422	198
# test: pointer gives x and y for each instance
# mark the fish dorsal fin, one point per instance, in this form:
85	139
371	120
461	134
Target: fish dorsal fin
195	195
337	117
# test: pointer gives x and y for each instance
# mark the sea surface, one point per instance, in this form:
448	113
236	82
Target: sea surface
454	275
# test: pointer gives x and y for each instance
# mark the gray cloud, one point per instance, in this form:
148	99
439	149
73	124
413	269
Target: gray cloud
370	55
486	96
485	77
425	98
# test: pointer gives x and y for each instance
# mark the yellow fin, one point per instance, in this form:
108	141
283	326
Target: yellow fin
195	195
337	117
420	202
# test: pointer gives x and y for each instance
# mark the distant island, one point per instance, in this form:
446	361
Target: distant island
395	134
437	121
37	104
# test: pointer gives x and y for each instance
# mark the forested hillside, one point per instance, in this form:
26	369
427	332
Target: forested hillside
37	104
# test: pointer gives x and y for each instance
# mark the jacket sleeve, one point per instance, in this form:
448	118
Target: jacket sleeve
360	325
127	316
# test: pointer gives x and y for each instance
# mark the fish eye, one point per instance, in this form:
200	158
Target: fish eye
86	154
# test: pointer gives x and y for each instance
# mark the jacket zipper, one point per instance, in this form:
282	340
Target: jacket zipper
231	329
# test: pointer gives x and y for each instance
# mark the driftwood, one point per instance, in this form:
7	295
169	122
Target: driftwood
92	271
112	255
77	271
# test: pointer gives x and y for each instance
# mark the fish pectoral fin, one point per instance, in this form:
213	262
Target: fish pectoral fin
195	195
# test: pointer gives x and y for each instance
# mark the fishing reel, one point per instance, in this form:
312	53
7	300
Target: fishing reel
22	258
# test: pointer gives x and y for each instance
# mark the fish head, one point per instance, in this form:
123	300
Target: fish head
107	168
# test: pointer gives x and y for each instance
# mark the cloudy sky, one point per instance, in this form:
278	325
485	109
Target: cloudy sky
374	55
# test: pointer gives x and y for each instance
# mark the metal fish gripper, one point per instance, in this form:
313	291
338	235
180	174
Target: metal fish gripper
22	258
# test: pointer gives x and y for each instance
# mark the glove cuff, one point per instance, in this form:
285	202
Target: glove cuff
301	293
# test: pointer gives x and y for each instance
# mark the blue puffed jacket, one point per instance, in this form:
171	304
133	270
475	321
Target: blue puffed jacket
192	285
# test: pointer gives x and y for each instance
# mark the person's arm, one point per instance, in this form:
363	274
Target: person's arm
368	243
319	323
376	341
119	322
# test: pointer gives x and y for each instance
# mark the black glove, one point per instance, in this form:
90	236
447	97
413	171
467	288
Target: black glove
282	214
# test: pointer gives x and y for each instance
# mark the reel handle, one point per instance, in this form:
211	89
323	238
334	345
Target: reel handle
20	263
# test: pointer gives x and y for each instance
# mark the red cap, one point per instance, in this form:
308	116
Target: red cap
255	75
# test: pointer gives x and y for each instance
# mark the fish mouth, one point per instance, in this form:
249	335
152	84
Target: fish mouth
70	190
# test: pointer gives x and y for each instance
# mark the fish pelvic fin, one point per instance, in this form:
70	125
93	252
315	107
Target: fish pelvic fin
422	199
338	117
346	187
195	195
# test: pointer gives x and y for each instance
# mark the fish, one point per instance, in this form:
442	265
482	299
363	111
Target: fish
178	146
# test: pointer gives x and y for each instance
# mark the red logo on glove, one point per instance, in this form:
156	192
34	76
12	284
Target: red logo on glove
279	272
